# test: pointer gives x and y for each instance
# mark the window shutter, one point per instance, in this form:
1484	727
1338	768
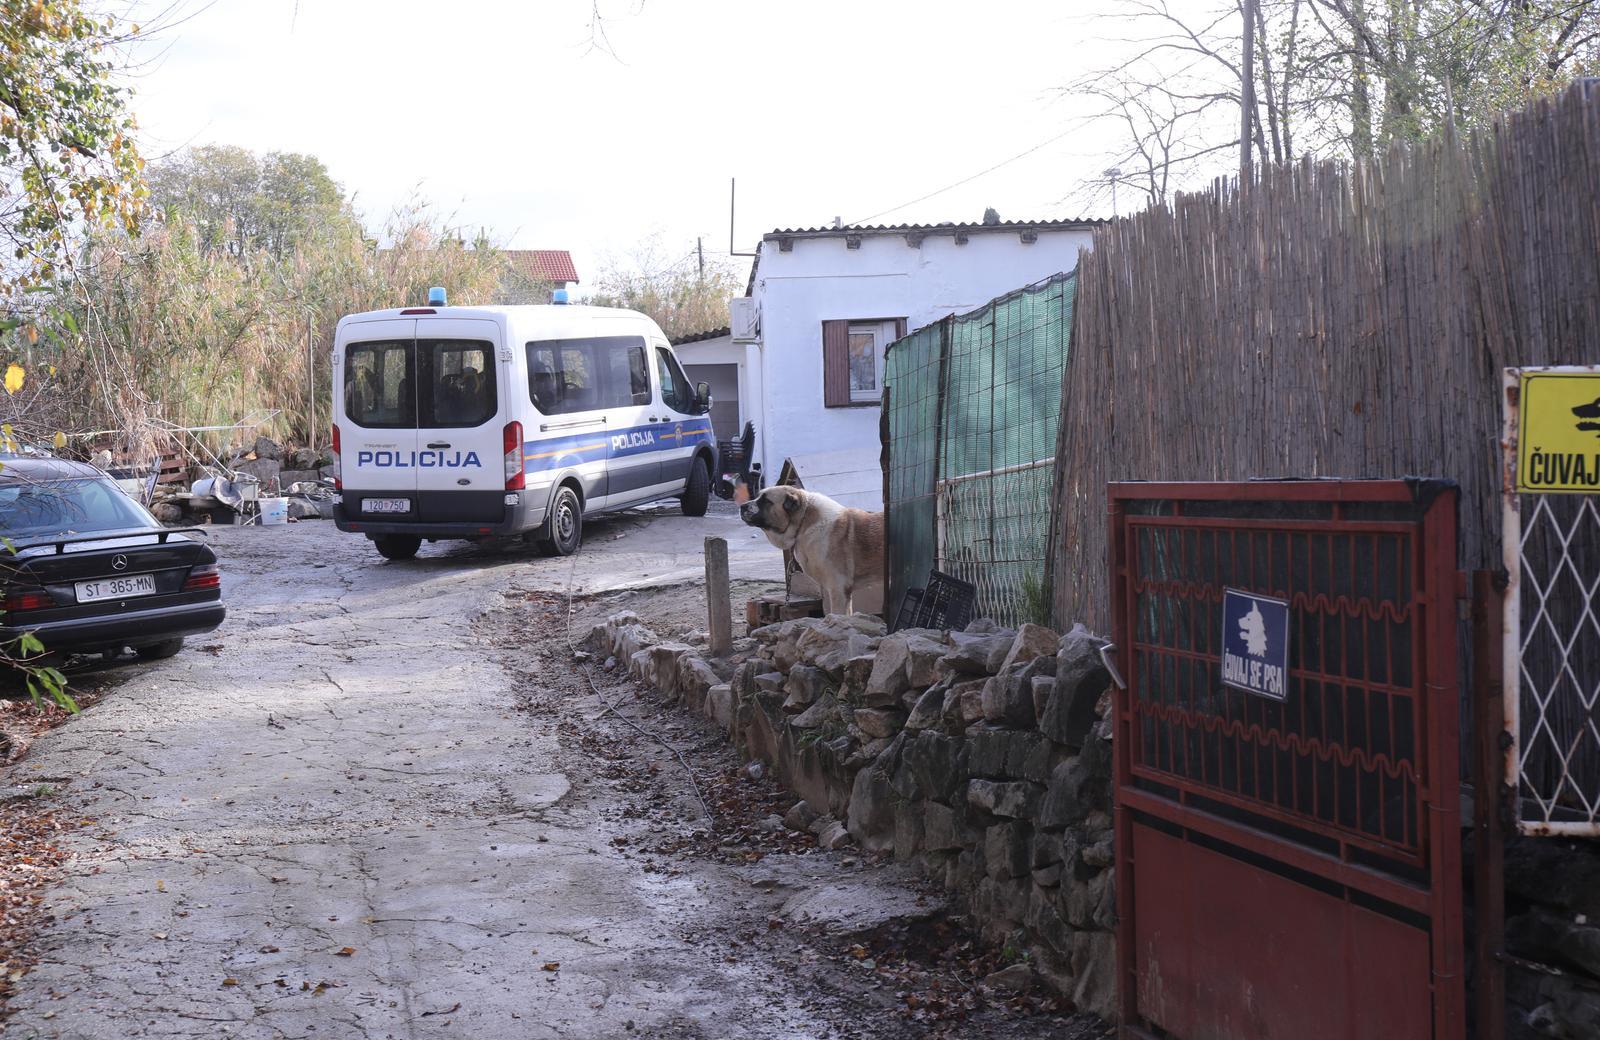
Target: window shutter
899	328
836	364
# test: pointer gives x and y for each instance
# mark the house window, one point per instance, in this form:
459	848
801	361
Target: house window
852	360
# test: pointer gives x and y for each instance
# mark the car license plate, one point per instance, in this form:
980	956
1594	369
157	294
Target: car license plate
386	505
116	588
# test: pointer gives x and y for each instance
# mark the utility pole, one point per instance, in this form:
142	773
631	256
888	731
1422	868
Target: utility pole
1247	89
700	251
1113	175
311	387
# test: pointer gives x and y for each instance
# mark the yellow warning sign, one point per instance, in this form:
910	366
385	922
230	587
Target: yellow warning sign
1558	435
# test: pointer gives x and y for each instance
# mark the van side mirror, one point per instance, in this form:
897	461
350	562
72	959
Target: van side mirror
702	397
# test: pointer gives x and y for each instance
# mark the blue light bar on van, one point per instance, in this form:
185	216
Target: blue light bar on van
559	296
436	296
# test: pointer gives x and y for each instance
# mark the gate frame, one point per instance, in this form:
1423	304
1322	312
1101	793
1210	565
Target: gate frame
1437	594
1511	624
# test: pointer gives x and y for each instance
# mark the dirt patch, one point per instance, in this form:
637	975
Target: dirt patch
914	970
672	611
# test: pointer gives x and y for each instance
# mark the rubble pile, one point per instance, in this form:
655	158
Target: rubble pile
983	755
1553	935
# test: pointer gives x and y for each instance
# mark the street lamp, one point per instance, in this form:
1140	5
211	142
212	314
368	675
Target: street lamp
1112	175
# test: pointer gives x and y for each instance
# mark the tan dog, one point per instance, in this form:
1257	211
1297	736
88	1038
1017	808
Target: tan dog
840	549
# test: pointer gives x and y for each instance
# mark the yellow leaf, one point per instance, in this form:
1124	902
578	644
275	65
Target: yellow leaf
14	377
60	441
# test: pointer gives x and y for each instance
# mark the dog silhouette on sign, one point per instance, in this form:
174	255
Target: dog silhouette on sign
1590	412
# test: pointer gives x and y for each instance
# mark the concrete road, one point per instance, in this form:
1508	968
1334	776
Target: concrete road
328	820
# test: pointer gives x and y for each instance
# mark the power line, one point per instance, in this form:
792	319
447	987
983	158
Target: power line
965	180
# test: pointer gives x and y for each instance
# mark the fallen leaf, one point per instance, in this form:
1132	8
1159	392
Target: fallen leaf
348	951
230	981
447	1011
14	377
552	965
161	886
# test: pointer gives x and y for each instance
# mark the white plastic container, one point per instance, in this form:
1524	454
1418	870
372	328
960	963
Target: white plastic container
273	511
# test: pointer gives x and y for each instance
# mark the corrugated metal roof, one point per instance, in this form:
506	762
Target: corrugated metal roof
696	337
542	265
1065	224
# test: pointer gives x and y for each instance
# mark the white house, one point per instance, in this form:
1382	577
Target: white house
823	303
713	357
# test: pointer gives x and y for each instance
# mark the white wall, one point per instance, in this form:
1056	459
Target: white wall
822	279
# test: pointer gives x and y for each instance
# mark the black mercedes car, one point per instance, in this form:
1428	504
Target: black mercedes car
85	568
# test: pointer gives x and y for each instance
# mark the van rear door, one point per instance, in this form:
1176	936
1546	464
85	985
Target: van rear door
376	413
462	416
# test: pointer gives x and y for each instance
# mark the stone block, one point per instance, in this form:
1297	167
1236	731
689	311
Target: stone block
940	830
1006	703
871	811
922	660
1095	968
1081	679
879	722
771	682
925	714
938	762
822	714
804	686
800	816
908	829
977	653
888	679
719	705
1031	641
1010	799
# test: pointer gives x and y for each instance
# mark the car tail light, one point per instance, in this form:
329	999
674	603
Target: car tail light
205	576
515	475
338	468
27	599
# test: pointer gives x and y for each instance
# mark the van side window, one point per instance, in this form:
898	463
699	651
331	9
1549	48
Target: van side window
676	393
627	381
379	385
575	375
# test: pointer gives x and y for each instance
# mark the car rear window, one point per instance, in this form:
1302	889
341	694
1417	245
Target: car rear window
53	508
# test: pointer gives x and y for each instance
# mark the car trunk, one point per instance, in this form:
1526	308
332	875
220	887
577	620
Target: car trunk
58	568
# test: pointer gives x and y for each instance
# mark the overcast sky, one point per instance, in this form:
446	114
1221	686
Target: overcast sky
499	111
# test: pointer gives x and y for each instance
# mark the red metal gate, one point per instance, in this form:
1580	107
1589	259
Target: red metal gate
1289	867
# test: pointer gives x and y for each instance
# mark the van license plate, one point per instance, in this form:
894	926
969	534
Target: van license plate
116	588
386	505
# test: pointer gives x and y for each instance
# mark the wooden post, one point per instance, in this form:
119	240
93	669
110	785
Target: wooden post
719	608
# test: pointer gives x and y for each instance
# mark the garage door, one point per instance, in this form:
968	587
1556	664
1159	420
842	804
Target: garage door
724	380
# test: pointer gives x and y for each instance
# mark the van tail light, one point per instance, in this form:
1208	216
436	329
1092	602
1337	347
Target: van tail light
338	468
515	474
27	599
205	576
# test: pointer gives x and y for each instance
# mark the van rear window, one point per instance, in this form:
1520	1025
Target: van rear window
457	381
379	381
577	375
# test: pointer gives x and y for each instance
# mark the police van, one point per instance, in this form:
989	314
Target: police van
477	422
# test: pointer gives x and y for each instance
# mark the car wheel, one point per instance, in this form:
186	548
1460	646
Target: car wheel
564	527
397	546
697	492
157	651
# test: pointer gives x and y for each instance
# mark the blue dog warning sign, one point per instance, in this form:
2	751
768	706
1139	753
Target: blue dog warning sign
1255	643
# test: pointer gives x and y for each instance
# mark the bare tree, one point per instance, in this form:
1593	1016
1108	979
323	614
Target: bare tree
1328	77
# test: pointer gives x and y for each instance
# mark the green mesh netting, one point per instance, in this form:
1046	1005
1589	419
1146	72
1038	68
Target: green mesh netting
974	402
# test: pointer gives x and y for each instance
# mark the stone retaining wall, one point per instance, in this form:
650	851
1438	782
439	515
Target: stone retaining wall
982	755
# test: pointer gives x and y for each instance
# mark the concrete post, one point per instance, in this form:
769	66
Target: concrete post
719	606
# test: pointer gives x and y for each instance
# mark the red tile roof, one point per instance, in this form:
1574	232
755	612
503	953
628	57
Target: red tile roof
543	265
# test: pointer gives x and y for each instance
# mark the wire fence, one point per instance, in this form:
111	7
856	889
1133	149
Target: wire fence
974	406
